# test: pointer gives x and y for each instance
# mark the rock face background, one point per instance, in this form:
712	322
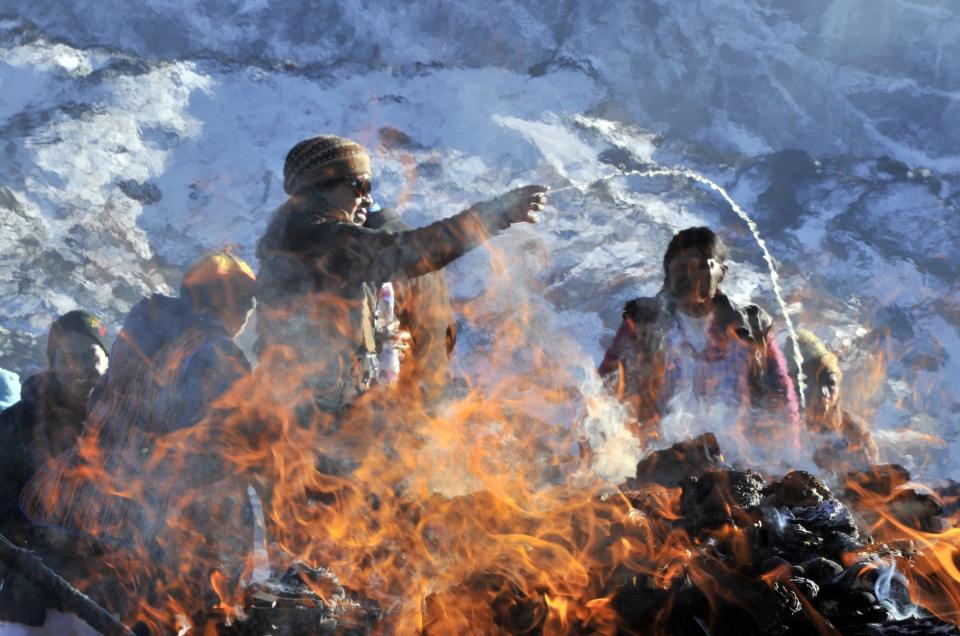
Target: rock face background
137	136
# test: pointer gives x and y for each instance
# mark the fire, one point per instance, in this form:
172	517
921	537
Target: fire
479	515
930	561
457	520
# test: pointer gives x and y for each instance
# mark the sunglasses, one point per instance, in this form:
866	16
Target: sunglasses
361	187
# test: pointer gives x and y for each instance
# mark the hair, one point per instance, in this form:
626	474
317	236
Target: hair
701	238
217	281
816	357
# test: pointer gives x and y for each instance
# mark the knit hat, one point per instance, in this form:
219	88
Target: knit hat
80	322
219	278
320	159
816	357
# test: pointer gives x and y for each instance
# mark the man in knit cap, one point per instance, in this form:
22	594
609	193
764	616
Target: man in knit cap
320	269
44	423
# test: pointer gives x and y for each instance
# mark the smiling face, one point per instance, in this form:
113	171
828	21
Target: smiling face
693	279
77	364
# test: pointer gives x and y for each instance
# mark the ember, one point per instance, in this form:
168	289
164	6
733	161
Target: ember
303	600
773	556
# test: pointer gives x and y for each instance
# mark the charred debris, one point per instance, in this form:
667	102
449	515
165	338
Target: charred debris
731	552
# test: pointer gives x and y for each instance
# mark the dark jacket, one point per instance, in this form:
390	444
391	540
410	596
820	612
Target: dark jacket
34	430
316	284
167	367
636	361
423	309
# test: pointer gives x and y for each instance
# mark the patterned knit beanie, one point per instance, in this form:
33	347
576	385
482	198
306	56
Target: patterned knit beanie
322	159
80	322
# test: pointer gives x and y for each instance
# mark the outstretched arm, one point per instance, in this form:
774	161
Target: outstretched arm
353	254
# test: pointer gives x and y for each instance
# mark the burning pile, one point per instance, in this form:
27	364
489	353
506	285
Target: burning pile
688	546
783	556
303	545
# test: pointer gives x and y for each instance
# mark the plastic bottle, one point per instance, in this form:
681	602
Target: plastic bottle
389	356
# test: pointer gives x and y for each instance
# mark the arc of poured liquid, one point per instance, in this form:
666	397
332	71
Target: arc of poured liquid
751	224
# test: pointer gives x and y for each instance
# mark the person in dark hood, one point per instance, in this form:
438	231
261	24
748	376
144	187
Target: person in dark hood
175	356
320	270
844	441
423	311
692	343
45	422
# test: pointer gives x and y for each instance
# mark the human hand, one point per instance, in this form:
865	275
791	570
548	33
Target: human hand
400	339
520	205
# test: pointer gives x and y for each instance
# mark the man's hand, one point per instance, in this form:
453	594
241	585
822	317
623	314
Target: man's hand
400	339
520	205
